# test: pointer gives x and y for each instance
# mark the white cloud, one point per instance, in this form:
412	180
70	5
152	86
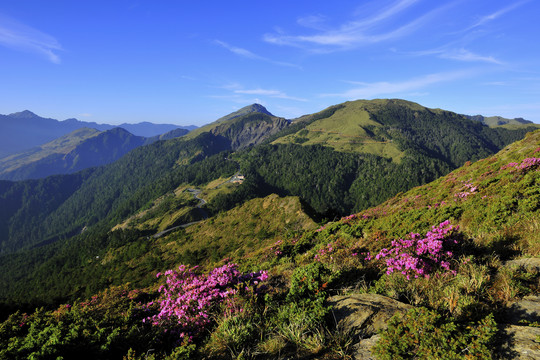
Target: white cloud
18	36
371	28
497	14
383	88
460	54
250	55
238	51
269	93
466	55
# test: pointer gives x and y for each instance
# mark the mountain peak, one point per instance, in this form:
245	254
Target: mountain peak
257	108
253	108
26	114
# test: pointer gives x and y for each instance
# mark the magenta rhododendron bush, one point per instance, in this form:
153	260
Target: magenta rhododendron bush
420	256
188	300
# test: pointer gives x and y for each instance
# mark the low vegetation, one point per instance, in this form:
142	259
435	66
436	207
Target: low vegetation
441	247
253	280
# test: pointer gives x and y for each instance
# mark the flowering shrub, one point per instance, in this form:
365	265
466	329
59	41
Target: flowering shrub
347	219
188	299
328	249
468	189
276	248
526	164
419	256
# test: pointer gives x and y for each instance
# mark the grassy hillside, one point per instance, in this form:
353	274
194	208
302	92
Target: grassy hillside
429	143
357	154
348	129
456	233
386	128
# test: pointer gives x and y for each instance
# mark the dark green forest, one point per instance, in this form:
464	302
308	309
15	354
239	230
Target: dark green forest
58	245
63	221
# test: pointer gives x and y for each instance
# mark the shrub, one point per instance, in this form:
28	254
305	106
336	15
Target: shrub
188	299
420	256
424	334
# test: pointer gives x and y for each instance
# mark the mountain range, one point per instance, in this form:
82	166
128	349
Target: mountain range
78	150
311	201
24	130
345	158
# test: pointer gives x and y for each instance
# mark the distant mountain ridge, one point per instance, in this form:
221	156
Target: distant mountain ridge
78	150
24	130
425	143
498	120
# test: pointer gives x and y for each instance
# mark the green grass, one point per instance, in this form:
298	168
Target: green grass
346	130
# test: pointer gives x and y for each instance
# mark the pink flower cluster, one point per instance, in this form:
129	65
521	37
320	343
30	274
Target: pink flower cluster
525	164
346	219
436	205
419	256
276	248
468	189
326	250
188	299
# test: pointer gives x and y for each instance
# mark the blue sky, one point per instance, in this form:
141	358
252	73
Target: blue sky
190	62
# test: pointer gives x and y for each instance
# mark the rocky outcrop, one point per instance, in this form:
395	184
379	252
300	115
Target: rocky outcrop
523	311
529	264
364	315
521	341
250	130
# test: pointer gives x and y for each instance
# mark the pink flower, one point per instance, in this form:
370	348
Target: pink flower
418	255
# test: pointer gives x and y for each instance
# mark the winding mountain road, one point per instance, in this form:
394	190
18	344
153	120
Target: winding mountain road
196	194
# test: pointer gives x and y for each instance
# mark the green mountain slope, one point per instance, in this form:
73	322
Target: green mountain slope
62	145
499	120
112	193
387	127
474	221
357	154
333	183
78	150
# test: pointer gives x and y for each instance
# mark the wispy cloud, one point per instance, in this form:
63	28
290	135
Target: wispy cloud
268	92
370	90
316	22
18	36
466	55
239	91
250	55
371	28
496	14
459	54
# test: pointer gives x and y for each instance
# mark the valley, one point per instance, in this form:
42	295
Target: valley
232	241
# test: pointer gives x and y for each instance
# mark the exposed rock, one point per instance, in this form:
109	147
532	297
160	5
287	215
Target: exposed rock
250	130
364	315
363	348
521	342
529	264
524	310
